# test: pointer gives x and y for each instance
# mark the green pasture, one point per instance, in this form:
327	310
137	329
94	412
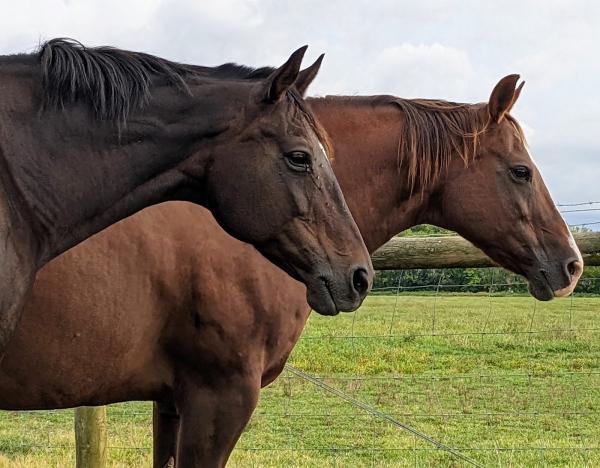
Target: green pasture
505	380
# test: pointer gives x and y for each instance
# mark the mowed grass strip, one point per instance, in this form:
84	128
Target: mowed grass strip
506	380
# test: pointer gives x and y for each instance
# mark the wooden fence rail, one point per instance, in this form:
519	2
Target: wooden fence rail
403	253
398	254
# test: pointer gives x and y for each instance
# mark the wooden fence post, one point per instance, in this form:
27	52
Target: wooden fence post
90	436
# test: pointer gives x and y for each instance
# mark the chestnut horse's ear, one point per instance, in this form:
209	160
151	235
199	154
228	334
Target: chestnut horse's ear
284	77
517	94
306	76
503	97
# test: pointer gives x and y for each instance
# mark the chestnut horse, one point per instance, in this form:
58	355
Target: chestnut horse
131	315
90	136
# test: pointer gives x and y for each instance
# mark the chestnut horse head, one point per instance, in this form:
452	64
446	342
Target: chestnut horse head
494	195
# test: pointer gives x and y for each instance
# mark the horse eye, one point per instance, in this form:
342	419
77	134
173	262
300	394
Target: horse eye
521	173
298	160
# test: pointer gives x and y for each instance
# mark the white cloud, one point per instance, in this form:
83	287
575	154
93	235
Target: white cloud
423	71
453	49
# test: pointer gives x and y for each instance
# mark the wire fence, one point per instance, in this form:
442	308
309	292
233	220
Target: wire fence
581	214
420	375
439	379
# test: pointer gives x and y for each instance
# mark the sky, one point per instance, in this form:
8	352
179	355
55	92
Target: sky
455	50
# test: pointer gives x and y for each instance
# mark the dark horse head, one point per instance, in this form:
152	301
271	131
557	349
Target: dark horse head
272	185
123	130
494	194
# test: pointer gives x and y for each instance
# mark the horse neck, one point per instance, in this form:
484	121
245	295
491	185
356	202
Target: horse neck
77	176
367	165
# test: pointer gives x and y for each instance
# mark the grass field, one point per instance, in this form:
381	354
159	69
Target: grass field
505	380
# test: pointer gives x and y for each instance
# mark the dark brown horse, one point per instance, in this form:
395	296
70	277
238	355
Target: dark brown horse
130	315
90	136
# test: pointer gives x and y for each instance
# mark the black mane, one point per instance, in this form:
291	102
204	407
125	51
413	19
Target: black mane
112	81
234	71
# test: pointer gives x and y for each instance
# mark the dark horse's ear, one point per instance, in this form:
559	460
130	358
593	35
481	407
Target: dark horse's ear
284	77
503	97
306	76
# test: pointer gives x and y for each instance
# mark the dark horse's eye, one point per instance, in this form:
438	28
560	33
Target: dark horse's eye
521	173
298	160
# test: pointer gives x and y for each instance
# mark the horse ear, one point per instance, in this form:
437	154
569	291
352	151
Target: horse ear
517	94
503	97
306	76
284	77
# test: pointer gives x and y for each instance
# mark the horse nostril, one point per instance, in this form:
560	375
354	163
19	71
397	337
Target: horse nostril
574	268
360	281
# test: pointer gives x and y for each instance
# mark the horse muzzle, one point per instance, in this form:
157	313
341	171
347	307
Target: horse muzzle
555	280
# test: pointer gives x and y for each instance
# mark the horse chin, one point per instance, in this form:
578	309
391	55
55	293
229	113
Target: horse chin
320	299
540	289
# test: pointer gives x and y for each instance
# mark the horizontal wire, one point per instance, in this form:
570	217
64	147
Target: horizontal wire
424	335
580	210
330	449
437	415
578	204
584	224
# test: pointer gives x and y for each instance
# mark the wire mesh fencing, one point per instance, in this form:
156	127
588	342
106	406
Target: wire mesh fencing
420	375
448	379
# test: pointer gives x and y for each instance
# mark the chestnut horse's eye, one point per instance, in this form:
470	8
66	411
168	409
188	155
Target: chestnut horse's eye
298	160
521	173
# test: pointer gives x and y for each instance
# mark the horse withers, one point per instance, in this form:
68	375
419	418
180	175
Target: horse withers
89	136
